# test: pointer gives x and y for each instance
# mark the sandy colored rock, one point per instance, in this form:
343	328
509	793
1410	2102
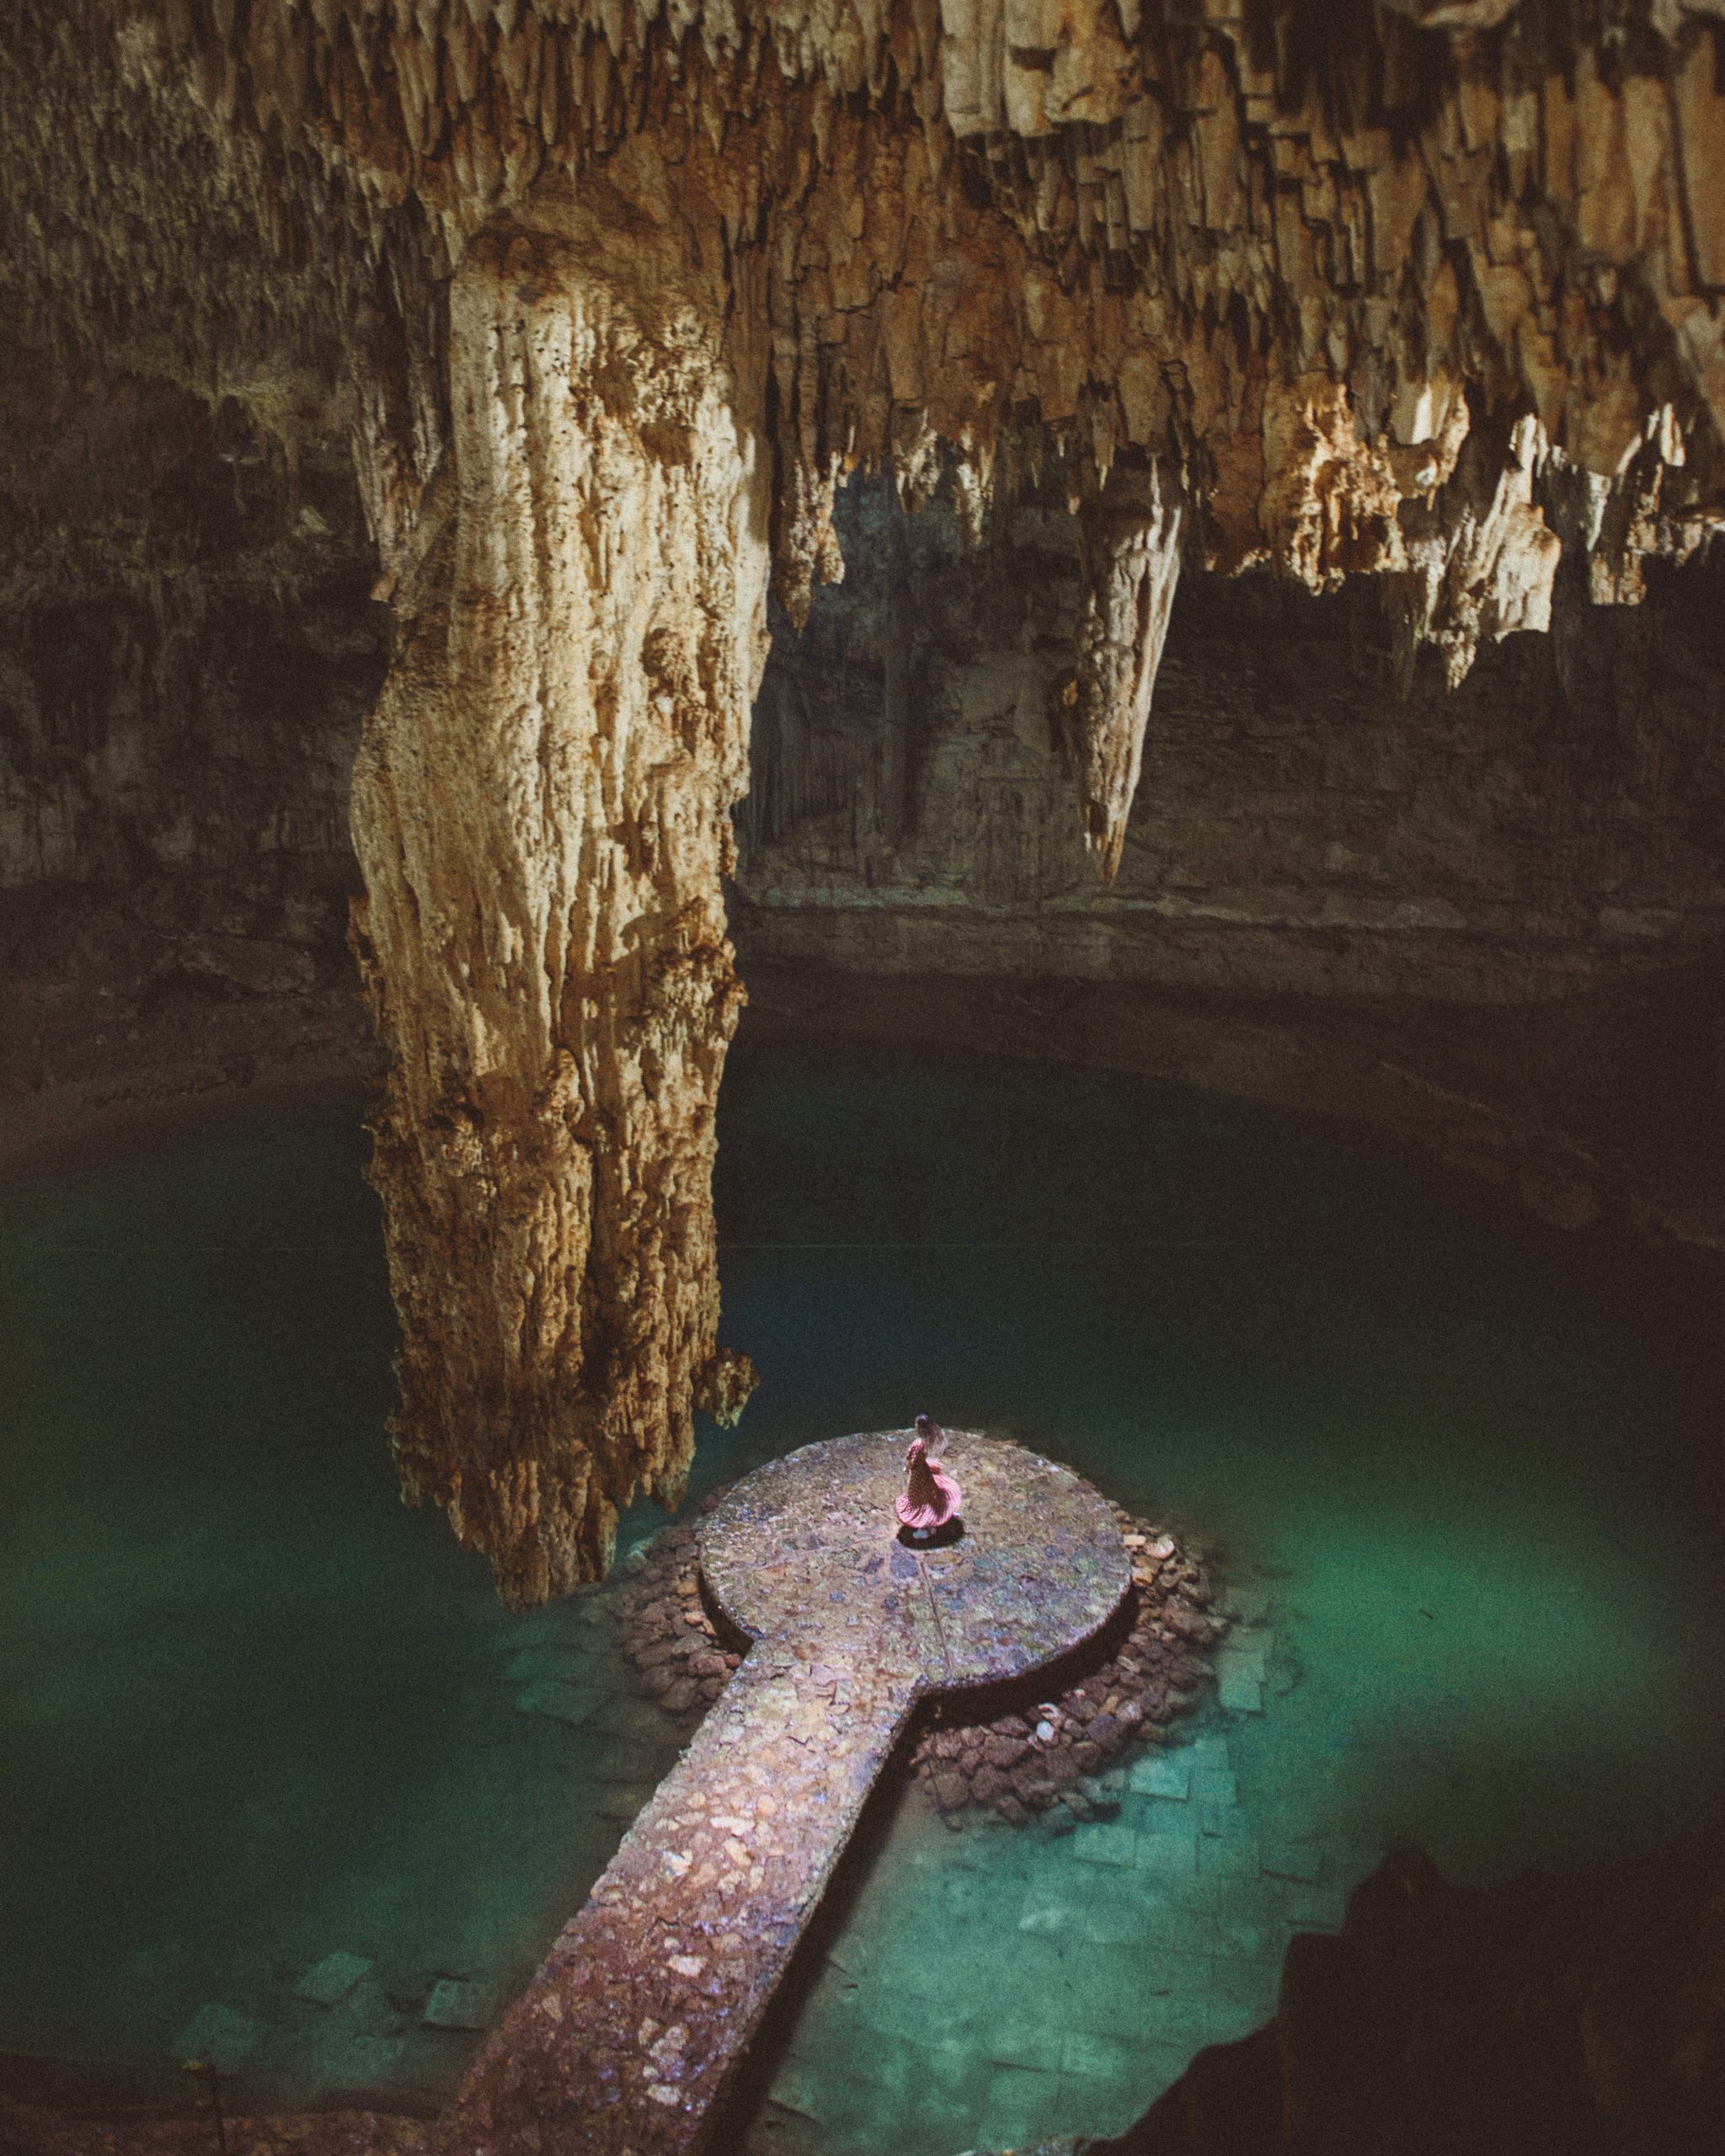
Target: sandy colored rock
540	808
1131	558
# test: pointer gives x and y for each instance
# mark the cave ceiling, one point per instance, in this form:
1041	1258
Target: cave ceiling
608	296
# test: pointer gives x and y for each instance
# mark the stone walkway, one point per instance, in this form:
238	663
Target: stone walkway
629	2033
994	1987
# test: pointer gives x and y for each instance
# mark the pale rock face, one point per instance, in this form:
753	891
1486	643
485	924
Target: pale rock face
1131	558
541	811
1491	571
613	292
1318	817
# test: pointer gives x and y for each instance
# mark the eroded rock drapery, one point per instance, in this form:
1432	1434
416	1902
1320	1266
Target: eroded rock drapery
539	808
1129	542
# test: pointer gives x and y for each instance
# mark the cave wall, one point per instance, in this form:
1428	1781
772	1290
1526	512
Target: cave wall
1319	813
1425	292
1577	2012
187	646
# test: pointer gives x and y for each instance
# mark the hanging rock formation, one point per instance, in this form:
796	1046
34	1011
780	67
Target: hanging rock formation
608	294
540	808
1131	562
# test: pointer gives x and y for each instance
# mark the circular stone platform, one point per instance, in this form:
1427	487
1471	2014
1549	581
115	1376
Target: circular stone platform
630	2033
806	1552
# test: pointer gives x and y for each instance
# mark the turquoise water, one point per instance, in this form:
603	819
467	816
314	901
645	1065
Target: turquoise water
1457	1499
258	1713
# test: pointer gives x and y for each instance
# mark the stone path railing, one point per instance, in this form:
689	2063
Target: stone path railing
630	2034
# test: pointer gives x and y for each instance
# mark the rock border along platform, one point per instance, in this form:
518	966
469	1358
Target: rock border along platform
631	2031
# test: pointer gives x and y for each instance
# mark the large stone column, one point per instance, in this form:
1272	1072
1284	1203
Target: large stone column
540	813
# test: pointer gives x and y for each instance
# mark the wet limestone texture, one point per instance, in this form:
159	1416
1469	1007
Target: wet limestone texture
628	2034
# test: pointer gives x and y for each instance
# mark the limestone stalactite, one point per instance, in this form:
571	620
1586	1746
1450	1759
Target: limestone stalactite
1131	557
1489	567
541	811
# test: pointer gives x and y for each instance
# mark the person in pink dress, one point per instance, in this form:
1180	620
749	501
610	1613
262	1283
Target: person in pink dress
930	1497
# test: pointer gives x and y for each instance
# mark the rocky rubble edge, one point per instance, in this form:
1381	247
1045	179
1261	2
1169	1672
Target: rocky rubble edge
666	1631
1045	1758
1041	1757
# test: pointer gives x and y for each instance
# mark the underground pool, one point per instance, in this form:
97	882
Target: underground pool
280	1782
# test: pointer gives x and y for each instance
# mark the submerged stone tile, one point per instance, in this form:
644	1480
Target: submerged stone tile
1093	2104
217	2036
804	2086
332	1978
1106	1842
1228	1856
952	2062
1168	1823
1167	1774
360	2064
1249	1601
1106	2057
1042	1966
1245	1654
1171	1855
1032	2044
562	1702
1251	1986
457	2003
1019	2106
1158	2066
1197	1896
560	1662
1297	1860
1054	1915
625	1801
632	1766
1105	1991
1244	1935
1173	2017
1113	1920
1163	1966
1230	2019
538	1628
902	2008
1316	1908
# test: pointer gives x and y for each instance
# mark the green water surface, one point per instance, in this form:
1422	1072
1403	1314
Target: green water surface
256	1712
